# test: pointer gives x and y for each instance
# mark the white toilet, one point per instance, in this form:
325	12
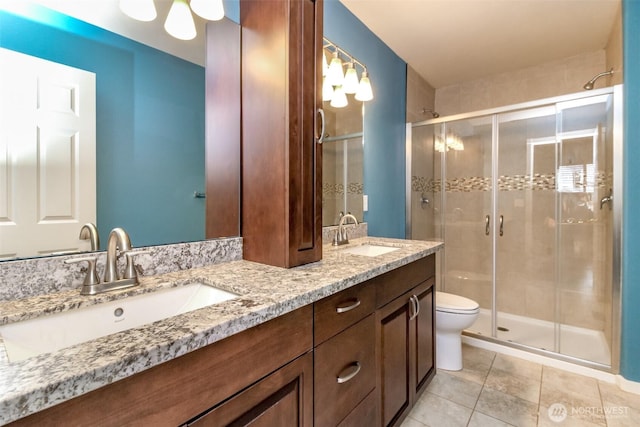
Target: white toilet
453	314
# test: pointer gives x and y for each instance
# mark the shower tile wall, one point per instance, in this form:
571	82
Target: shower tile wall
555	78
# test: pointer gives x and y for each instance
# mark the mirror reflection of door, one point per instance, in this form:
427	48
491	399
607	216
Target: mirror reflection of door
342	162
47	155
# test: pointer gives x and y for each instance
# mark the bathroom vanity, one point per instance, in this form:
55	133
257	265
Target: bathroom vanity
326	341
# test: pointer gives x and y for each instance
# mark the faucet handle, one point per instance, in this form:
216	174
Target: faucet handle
91	278
130	270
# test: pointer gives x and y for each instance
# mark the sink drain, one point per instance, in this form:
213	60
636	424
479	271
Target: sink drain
503	329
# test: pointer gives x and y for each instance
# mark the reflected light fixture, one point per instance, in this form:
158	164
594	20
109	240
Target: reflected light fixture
179	21
212	10
325	64
350	84
364	93
141	10
339	99
327	90
335	74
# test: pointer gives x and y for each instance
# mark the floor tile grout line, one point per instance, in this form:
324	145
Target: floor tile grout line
606	422
484	382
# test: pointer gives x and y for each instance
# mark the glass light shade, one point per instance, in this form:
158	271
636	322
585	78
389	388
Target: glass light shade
350	84
335	74
179	22
364	92
339	98
325	64
212	10
327	90
141	10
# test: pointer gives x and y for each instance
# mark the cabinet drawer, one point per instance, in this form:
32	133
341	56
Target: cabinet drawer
396	282
344	372
364	415
339	311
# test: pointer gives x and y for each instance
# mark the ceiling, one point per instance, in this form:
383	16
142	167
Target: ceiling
445	41
452	41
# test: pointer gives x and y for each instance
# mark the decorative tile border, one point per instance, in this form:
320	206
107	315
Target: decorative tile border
535	182
337	189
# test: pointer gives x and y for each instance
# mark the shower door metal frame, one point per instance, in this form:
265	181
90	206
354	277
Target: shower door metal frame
617	211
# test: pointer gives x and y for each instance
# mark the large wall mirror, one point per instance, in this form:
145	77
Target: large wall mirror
149	123
342	162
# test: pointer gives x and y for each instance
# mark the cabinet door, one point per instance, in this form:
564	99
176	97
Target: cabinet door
284	398
424	338
393	337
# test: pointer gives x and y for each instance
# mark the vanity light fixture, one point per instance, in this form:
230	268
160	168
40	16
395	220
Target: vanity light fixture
350	84
327	90
337	84
212	10
141	10
339	98
179	21
335	75
364	93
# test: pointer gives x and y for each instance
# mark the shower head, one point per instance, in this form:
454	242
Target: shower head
589	85
433	113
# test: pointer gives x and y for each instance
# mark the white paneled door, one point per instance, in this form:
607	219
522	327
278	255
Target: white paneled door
47	155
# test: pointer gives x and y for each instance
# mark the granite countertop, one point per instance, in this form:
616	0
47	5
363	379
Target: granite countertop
266	292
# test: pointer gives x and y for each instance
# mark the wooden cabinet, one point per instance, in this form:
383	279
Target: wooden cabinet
345	363
405	338
281	160
284	398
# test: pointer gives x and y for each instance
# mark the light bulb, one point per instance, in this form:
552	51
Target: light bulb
212	10
335	74
141	10
364	92
325	64
339	98
350	84
179	22
327	90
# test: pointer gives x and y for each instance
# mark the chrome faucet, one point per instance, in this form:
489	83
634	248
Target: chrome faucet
89	231
119	243
341	237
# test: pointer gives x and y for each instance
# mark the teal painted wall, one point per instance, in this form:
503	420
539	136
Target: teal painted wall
384	123
630	349
150	124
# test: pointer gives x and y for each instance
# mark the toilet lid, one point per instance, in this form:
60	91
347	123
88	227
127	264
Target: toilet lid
451	302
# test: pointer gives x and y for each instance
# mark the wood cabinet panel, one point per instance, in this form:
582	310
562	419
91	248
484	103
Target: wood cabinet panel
424	335
281	161
344	372
393	339
284	398
339	311
363	415
396	282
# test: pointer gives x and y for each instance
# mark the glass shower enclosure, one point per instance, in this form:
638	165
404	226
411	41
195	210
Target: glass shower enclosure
526	199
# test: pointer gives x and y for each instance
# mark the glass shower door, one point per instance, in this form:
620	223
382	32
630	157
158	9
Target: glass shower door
468	222
585	234
526	222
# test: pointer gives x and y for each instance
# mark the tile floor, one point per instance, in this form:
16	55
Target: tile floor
498	390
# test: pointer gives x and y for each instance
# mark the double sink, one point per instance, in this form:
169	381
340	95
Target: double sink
45	334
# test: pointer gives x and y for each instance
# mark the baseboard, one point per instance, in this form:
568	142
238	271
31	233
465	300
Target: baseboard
628	385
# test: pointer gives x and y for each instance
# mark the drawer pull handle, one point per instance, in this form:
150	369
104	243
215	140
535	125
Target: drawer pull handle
353	369
348	308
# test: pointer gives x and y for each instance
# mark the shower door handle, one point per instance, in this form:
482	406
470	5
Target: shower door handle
501	225
487	225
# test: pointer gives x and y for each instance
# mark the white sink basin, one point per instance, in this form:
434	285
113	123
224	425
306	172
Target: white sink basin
53	332
370	250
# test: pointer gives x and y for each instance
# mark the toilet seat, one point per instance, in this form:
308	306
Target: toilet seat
450	303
